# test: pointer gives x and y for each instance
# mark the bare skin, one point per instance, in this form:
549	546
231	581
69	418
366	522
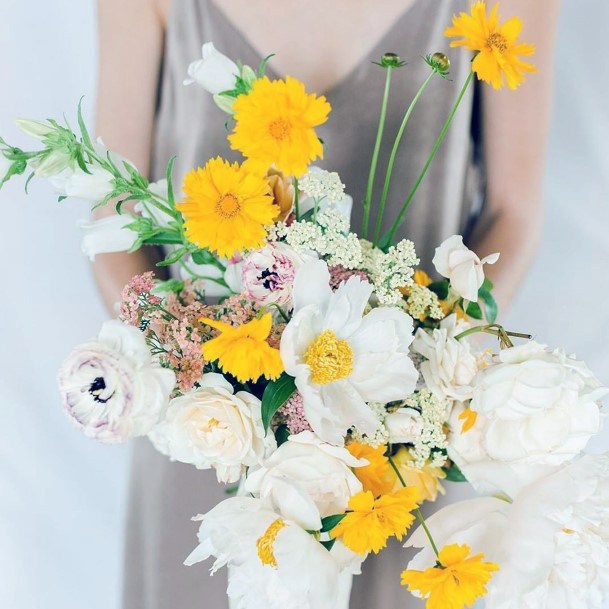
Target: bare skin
515	123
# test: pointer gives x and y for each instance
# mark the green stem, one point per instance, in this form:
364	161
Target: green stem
400	218
417	512
296	200
392	157
494	329
375	154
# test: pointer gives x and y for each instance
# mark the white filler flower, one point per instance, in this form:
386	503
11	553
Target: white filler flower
342	359
111	388
462	266
273	563
210	427
214	72
306	480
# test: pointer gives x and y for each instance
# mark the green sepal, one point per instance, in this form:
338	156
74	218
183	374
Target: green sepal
329	522
454	474
440	288
275	395
474	310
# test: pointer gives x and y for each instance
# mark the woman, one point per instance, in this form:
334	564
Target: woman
330	47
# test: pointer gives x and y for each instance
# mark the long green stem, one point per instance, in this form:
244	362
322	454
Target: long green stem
388	239
375	154
495	330
417	512
392	157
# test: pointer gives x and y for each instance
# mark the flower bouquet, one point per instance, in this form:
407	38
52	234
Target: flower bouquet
331	384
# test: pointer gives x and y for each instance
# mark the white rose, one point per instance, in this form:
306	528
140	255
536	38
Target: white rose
107	235
111	388
405	426
306	479
210	427
536	409
450	366
267	275
215	72
462	267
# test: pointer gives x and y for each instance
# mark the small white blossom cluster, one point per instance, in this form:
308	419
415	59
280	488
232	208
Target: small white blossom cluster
427	449
322	184
390	271
381	435
422	302
329	237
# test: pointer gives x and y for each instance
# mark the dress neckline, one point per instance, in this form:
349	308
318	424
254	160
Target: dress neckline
363	64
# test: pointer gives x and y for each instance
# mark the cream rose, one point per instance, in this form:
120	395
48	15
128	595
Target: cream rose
211	427
404	425
306	479
111	388
535	409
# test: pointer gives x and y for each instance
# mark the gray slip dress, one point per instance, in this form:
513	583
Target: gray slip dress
164	495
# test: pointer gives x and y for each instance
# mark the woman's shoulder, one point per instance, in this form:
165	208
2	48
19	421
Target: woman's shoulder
162	8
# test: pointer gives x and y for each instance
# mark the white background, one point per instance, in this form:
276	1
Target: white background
62	497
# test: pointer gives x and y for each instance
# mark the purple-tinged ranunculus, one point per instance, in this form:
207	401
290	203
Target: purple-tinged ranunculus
111	387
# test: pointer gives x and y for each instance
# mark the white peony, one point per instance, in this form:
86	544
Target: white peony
306	480
107	235
215	72
462	267
273	563
536	409
210	427
450	366
551	544
267	275
342	359
111	388
404	426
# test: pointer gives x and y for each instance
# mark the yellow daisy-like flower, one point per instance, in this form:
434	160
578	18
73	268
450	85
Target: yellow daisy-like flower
227	207
244	351
426	479
498	50
371	522
375	477
456	583
275	125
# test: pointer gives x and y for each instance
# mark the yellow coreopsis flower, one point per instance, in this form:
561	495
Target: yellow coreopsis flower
371	522
498	50
227	207
376	476
275	125
244	351
457	582
425	479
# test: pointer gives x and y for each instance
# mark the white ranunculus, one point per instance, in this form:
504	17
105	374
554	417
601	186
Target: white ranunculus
111	388
267	275
215	72
342	359
536	409
462	267
107	235
306	480
551	544
211	427
404	425
273	563
450	366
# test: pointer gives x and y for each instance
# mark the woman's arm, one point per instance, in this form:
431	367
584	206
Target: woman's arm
130	47
515	130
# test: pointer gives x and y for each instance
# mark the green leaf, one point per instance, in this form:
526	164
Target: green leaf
173	257
490	305
276	394
170	285
168	175
454	474
474	310
203	257
282	433
328	544
487	285
83	127
329	522
439	288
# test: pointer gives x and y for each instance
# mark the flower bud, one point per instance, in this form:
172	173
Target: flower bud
36	129
391	60
214	72
439	62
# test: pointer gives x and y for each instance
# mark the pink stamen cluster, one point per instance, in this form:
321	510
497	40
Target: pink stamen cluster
292	412
339	274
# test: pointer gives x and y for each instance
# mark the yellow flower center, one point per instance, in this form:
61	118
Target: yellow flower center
228	206
330	358
212	423
266	543
280	129
497	41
